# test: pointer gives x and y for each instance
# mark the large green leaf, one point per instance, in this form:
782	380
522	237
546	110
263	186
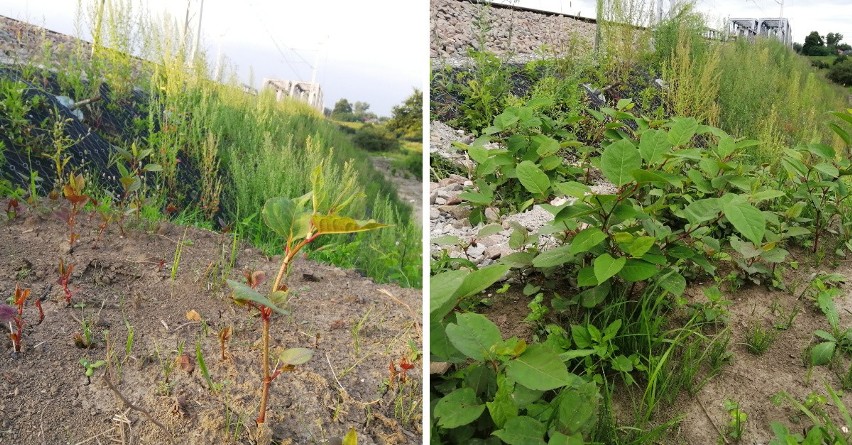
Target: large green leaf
442	289
586	239
440	347
243	293
640	246
479	280
334	224
822	353
682	130
539	368
606	266
578	408
474	335
619	160
522	430
702	210
674	283
503	407
532	178
553	257
287	217
637	270
572	188
544	145
654	145
458	408
746	218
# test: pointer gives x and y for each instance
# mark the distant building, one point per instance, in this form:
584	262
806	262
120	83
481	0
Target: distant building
307	92
749	28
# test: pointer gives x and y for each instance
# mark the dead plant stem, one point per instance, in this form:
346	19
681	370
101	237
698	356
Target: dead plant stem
130	405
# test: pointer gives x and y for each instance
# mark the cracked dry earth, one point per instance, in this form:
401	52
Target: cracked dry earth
356	328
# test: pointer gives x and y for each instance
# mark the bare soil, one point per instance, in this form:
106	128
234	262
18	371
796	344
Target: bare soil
752	380
355	327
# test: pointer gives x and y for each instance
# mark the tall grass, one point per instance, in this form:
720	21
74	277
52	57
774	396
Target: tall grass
223	151
759	90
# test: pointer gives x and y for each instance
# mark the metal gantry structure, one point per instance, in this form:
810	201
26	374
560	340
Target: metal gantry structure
751	28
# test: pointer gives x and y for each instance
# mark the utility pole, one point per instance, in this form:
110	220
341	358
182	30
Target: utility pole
314	95
197	33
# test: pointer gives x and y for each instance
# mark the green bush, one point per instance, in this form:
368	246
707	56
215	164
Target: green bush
841	73
375	138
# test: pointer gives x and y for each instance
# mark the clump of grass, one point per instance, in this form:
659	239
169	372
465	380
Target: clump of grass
759	339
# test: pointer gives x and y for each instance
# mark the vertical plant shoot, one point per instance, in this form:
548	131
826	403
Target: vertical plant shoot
298	225
73	192
64	277
15	316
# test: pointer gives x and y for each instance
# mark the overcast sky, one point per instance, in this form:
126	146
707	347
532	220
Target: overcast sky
805	16
375	51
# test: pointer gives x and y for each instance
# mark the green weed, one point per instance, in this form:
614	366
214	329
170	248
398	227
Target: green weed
758	339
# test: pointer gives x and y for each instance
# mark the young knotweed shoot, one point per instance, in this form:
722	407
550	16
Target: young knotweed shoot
12	209
15	316
298	226
132	171
64	277
73	192
224	336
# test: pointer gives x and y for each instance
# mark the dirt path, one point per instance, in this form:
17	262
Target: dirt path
408	189
121	284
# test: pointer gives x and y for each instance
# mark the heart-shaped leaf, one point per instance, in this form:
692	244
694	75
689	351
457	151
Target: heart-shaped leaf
458	408
746	218
532	178
296	356
606	266
619	160
287	218
539	368
586	239
244	293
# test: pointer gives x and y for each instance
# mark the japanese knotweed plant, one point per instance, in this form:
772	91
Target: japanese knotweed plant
299	221
819	182
506	388
527	167
681	199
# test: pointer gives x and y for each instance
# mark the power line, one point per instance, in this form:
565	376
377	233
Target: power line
278	47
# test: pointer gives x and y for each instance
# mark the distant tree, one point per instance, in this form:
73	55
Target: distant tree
343	111
844	47
814	45
407	119
833	38
797	47
359	108
342	106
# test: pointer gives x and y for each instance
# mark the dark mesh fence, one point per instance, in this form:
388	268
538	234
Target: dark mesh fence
107	122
